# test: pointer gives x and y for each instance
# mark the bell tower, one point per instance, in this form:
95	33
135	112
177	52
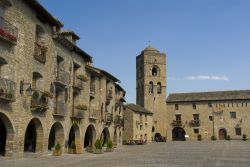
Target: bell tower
151	87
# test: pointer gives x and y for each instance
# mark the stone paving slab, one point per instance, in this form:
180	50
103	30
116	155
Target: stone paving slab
170	154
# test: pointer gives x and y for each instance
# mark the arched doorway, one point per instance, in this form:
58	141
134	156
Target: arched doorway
89	138
178	134
222	134
56	135
105	136
74	135
33	141
115	138
6	136
158	137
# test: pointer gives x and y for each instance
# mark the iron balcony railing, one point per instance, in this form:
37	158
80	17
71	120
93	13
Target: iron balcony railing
62	76
176	123
39	100
60	109
109	117
92	90
77	113
40	53
78	83
7	30
194	123
7	89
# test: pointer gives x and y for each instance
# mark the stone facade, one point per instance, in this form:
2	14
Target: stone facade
69	102
137	124
220	114
151	87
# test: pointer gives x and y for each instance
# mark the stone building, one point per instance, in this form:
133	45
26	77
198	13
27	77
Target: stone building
183	116
151	87
137	124
49	90
220	114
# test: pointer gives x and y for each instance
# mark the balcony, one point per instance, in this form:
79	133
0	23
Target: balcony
194	123
119	121
8	32
40	53
77	113
7	90
176	123
109	118
78	83
60	109
92	91
39	101
92	117
110	95
62	77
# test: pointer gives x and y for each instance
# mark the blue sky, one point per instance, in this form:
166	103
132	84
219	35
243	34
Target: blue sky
207	41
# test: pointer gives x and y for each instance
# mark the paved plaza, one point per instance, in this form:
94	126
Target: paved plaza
170	154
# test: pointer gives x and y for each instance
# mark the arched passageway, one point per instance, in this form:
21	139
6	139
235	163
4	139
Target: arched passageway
178	134
33	141
56	135
105	136
6	136
89	138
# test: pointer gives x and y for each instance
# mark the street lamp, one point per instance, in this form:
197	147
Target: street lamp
28	90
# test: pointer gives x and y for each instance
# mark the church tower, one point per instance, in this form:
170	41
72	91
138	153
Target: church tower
151	87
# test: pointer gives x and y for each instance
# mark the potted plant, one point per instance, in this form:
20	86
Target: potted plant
81	107
228	137
84	78
57	150
90	148
199	137
109	146
98	147
47	94
244	137
213	138
72	149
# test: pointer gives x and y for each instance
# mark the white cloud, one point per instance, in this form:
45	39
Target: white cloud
207	77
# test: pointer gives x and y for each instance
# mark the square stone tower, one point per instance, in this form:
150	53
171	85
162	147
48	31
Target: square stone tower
151	87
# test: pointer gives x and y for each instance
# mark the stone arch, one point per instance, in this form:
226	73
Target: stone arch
6	136
56	135
178	134
105	136
74	135
155	71
33	140
159	87
90	136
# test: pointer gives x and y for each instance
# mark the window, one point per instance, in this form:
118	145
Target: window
238	131
194	106
178	117
159	88
154	71
210	118
210	105
176	106
196	117
233	115
196	131
151	87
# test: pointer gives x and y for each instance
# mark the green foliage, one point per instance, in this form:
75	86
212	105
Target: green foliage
199	137
98	144
110	144
213	138
73	145
57	146
244	137
47	94
228	137
81	107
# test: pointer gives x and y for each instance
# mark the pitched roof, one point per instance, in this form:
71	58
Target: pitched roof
209	96
70	32
138	108
43	13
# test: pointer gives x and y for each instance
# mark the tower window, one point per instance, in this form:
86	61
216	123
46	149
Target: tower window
151	87
154	71
159	88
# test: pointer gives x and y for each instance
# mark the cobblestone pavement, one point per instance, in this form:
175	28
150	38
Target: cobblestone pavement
170	154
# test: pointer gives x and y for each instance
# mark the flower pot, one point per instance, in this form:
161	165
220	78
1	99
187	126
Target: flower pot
72	151
90	149
98	151
57	152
